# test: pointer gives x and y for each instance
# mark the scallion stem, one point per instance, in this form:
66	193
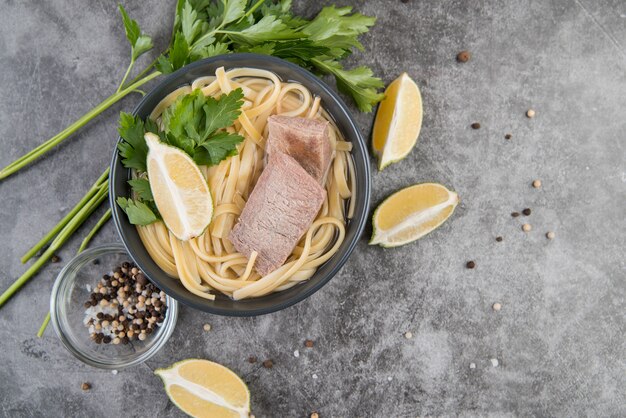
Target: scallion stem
83	245
67	132
60	239
43	326
54	231
95	229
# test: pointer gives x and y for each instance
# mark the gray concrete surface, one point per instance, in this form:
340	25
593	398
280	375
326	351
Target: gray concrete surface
559	338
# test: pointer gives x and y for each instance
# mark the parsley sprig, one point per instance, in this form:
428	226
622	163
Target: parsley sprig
270	28
194	123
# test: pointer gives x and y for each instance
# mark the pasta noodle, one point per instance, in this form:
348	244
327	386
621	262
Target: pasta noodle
208	264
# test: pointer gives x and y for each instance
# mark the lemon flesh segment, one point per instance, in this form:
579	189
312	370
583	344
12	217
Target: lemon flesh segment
398	121
180	191
411	213
201	388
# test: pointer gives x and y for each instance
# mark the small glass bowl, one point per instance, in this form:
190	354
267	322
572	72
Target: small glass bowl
72	289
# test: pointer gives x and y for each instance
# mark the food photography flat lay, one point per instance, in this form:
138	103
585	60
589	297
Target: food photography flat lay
280	208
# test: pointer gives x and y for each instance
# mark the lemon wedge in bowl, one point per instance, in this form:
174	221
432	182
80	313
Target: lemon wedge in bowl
398	121
180	191
201	388
411	213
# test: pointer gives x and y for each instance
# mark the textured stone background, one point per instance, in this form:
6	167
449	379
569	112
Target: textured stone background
559	337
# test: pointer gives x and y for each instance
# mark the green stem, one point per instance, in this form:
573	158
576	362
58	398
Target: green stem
130	66
54	231
252	9
43	326
203	37
94	230
63	236
145	70
64	134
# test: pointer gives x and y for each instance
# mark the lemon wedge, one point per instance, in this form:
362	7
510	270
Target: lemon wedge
411	213
398	121
180	190
201	388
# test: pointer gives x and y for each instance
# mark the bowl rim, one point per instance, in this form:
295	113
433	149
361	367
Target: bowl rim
365	177
169	324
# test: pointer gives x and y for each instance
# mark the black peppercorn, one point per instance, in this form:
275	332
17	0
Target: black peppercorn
141	279
463	56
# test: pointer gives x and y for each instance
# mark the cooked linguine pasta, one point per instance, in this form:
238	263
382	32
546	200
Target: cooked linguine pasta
208	264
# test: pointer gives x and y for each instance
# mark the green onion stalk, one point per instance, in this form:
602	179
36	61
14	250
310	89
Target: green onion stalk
70	227
83	245
67	132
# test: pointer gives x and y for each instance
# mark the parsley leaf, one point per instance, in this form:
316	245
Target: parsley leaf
336	29
142	188
216	148
190	24
264	49
217	48
269	28
222	112
192	118
133	149
193	123
138	212
139	42
282	10
233	10
183	118
299	51
358	82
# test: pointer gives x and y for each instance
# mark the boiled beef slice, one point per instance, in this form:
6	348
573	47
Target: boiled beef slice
280	209
306	140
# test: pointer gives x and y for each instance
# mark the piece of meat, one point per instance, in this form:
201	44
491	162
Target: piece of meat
306	140
280	209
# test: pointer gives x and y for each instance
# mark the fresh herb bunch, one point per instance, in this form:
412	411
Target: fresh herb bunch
195	124
204	29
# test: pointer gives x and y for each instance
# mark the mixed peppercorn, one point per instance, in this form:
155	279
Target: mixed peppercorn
124	306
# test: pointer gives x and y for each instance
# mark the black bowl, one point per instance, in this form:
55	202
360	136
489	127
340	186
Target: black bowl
223	305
